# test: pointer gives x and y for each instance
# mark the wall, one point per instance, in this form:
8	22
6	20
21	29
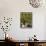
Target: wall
12	8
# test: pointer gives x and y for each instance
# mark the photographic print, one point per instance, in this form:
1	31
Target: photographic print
26	19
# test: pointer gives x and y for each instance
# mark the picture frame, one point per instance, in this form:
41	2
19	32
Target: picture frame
26	19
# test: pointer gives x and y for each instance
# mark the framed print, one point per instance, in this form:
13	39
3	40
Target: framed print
26	19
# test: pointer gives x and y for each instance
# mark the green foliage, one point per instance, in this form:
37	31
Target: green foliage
26	17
